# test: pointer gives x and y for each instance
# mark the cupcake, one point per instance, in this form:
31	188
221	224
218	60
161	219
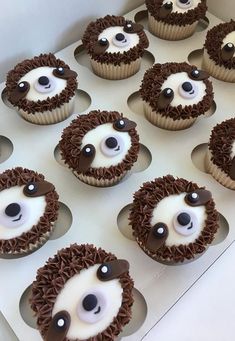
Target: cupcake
100	147
115	46
173	220
220	157
176	19
29	207
174	95
42	89
82	293
219	52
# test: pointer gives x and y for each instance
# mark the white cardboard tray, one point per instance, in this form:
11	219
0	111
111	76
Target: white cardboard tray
158	287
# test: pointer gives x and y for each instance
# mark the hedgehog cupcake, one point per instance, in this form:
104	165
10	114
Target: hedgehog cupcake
42	89
175	19
82	293
100	147
28	210
173	220
115	46
175	94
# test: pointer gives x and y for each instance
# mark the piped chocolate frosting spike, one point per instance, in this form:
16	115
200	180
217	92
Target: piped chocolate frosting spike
87	155
227	52
165	10
165	98
232	170
37	189
111	270
64	73
157	237
58	327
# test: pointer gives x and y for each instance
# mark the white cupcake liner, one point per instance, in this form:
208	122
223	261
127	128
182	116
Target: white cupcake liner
217	173
110	71
170	32
217	71
166	122
50	117
99	182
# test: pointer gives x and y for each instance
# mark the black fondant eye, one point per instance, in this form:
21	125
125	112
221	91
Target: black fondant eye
168	5
128	26
195	73
119	124
103	271
88	150
168	92
23	86
103	41
192	197
160	230
30	188
229	47
60	70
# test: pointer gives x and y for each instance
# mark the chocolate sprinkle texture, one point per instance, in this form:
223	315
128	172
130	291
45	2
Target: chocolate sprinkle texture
93	31
71	141
175	18
213	43
151	89
52	277
54	102
220	144
148	197
20	177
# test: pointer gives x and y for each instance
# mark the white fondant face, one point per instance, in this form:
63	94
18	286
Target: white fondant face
185	223
182	6
229	39
186	90
91	303
111	145
43	83
18	213
119	41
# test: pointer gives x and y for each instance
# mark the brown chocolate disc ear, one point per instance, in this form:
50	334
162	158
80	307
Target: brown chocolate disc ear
157	237
87	155
232	170
227	52
123	124
165	10
64	73
100	46
19	92
131	27
111	270
198	197
59	326
198	75
37	189
165	98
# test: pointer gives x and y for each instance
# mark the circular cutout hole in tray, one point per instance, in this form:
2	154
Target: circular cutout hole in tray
134	102
141	17
123	222
198	157
63	223
144	160
148	60
26	312
195	58
211	111
82	101
82	57
5	99
57	156
202	24
6	148
222	232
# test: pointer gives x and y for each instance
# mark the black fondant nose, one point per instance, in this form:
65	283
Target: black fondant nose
120	36
184	218
12	210
111	142
184	1
187	86
43	80
89	302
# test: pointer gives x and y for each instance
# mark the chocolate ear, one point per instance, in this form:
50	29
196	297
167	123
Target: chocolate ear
157	237
64	73
58	327
232	170
87	155
199	197
165	98
123	124
38	189
198	75
165	10
227	52
19	92
111	270
100	46
131	27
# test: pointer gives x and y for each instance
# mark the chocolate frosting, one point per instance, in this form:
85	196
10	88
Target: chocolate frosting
220	145
213	44
150	91
175	18
20	177
27	65
52	277
71	140
93	31
148	197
